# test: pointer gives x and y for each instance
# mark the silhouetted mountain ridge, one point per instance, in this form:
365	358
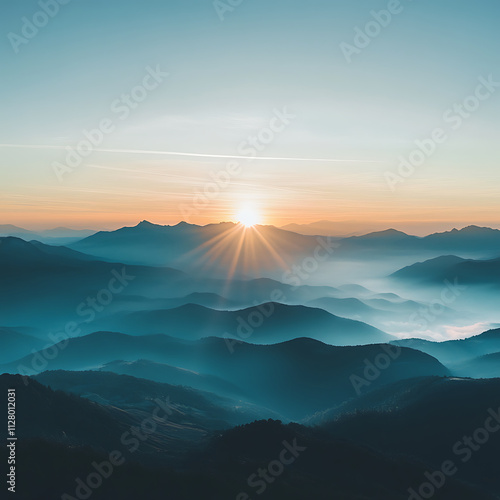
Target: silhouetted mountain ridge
266	323
320	375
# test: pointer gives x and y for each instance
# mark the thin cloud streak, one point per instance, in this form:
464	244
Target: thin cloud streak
195	155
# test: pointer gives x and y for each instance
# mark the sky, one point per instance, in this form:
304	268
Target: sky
119	111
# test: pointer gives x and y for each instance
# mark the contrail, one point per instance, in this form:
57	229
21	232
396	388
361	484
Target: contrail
194	155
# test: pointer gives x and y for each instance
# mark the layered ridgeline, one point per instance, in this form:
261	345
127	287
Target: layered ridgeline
293	379
471	357
58	284
267	323
61	286
56	236
215	249
466	271
215	327
471	242
153	244
55	283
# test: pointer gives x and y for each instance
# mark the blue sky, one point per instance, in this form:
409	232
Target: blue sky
225	80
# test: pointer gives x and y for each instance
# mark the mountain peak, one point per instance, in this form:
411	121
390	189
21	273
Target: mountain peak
14	243
476	229
388	233
17	250
469	230
9	228
490	335
146	223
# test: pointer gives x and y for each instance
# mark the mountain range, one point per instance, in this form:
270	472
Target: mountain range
249	338
56	236
267	323
307	376
450	267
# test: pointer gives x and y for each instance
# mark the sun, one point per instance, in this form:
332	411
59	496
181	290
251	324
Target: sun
248	216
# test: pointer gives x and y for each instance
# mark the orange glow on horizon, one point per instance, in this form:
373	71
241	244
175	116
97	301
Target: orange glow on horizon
421	224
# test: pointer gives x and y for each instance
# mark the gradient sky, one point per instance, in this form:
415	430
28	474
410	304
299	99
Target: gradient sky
226	79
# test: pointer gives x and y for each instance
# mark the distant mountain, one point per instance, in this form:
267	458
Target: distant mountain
470	242
64	232
430	266
205	299
354	290
57	236
381	313
61	251
215	249
262	290
15	345
387	234
267	323
487	366
435	271
389	240
334	228
10	230
468	239
131	303
293	379
347	308
363	293
326	228
53	283
16	251
456	351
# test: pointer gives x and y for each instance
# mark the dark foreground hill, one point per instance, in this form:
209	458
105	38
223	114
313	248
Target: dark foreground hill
67	451
432	420
327	469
